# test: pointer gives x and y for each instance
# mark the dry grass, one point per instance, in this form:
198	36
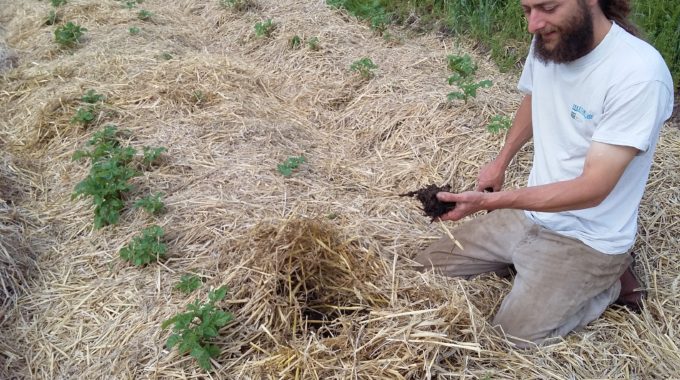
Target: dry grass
322	285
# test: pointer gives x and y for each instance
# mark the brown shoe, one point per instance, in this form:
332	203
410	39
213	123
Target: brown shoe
630	297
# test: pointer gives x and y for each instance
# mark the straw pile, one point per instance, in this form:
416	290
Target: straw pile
319	264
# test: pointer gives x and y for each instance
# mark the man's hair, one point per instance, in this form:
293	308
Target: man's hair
618	11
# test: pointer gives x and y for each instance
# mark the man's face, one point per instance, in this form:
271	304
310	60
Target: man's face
563	29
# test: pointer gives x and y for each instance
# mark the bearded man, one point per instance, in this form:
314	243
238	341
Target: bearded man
595	99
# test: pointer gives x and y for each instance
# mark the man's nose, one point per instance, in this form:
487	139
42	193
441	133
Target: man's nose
535	21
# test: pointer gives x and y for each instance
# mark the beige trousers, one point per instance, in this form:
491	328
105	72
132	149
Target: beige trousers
560	286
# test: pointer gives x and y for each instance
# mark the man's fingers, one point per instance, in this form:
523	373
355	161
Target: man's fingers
446	197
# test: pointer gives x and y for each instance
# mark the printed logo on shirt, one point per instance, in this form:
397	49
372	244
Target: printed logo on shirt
580	114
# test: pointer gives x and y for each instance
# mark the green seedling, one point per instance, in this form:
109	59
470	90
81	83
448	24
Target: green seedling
133	30
91	97
188	283
313	43
499	123
151	155
152	204
68	35
463	77
52	17
108	178
144	15
130	4
295	42
166	56
265	28
145	247
57	3
84	115
237	5
364	67
198	96
286	168
194	329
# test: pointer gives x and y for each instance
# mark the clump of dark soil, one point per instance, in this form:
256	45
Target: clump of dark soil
432	206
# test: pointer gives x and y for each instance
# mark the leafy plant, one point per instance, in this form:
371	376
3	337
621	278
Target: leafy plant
313	43
145	247
295	42
144	15
194	329
151	155
129	4
133	30
463	76
291	163
238	5
188	283
56	3
153	204
92	97
108	178
166	56
69	35
84	115
499	123
265	28
364	67
52	17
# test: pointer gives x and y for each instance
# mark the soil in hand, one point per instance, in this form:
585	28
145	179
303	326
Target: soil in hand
432	206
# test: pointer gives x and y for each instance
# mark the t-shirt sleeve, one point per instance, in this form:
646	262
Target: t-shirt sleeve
525	84
632	115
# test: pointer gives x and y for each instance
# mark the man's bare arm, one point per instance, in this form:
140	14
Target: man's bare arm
604	166
492	175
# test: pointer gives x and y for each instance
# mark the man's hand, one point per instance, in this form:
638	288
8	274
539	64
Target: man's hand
491	176
467	203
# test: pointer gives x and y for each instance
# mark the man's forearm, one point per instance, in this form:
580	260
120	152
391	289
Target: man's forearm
520	132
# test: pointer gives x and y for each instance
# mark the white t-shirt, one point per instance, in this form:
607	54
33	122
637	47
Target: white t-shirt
620	93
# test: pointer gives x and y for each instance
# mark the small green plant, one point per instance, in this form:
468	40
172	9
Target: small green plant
151	155
291	163
153	204
499	123
463	76
91	97
57	3
194	329
364	67
145	247
69	35
198	96
129	4
133	30
108	178
265	28
52	17
295	42
84	115
144	15
313	43
188	283
237	5
166	56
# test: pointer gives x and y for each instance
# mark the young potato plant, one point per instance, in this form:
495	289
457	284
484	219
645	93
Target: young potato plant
91	97
265	28
286	168
152	204
145	247
84	115
463	76
364	67
144	15
188	283
295	42
313	44
238	5
152	155
69	35
194	329
108	178
499	123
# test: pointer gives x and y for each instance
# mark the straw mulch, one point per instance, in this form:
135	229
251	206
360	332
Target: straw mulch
318	264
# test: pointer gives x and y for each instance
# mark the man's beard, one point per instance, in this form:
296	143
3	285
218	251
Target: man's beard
573	43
